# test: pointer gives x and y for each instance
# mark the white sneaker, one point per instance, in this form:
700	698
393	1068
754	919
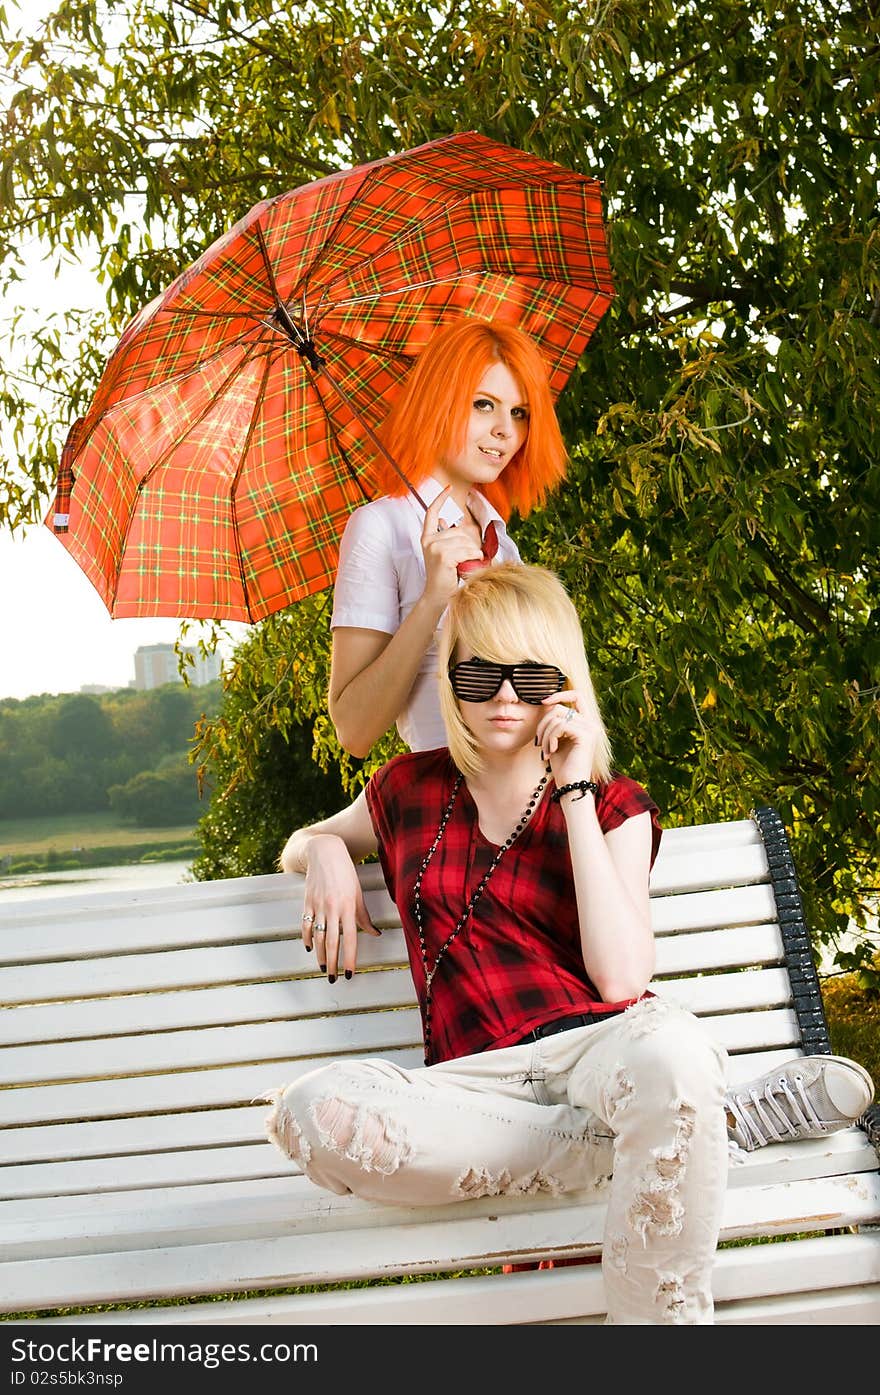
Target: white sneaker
804	1098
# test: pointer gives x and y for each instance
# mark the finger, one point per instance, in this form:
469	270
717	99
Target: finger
545	729
432	513
566	698
319	940
332	947
308	920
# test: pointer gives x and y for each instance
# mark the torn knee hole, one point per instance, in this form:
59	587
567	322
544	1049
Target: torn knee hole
361	1135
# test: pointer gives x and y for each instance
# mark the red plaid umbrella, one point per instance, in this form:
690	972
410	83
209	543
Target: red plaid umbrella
224	448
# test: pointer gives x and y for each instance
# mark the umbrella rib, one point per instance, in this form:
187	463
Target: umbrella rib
403	290
386	350
193	312
182	378
281	309
444	280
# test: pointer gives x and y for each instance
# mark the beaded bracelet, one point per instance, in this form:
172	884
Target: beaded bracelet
582	785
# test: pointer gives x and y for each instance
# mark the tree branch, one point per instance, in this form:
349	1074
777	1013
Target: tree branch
807	612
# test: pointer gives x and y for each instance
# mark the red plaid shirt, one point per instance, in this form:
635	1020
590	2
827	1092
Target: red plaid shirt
517	962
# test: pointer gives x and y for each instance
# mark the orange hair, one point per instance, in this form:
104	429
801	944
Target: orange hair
430	417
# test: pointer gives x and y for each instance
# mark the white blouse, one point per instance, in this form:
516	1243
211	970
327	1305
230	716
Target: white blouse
380	576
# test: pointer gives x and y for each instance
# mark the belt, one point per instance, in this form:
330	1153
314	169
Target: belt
567	1024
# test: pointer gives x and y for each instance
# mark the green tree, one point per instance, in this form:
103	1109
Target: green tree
81	728
176	719
158	798
60	755
137	725
721	521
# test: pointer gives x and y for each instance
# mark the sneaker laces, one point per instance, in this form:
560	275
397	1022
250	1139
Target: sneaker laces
759	1117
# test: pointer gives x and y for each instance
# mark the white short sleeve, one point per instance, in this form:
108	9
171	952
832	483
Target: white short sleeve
366	593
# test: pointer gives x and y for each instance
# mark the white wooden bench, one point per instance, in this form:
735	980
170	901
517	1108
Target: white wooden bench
141	1029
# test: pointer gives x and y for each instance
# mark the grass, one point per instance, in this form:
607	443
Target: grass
854	1022
86	840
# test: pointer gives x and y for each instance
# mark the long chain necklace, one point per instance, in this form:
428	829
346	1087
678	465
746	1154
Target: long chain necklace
417	896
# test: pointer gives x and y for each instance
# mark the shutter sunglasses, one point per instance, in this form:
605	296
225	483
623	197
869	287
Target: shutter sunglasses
478	680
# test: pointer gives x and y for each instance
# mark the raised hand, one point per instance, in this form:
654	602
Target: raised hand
445	549
568	736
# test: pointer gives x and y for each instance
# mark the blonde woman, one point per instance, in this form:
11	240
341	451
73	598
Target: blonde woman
519	861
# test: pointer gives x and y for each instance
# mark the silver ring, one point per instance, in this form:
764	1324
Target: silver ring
307	919
568	714
319	928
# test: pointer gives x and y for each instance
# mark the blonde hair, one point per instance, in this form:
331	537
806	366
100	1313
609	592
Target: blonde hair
510	613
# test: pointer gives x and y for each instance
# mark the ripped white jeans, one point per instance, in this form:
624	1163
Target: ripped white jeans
638	1098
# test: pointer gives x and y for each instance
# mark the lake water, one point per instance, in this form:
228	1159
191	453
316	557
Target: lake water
136	877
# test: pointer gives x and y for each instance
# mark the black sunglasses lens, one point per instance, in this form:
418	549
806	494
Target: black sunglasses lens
534	682
476	682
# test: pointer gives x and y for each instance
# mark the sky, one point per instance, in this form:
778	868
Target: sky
56	635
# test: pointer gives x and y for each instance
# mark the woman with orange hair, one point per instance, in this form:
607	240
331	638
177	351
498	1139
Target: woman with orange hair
474	431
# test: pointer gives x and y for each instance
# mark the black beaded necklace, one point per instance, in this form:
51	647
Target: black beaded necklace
417	897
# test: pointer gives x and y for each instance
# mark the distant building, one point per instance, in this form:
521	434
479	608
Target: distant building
94	688
155	664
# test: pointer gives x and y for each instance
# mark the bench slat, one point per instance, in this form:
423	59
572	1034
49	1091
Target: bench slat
705	910
709	868
153	1094
748	1283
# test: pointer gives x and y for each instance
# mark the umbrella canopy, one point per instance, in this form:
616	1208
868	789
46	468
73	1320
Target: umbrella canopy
228	436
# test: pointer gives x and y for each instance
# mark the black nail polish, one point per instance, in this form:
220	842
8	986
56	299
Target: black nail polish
331	978
307	948
323	968
348	973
